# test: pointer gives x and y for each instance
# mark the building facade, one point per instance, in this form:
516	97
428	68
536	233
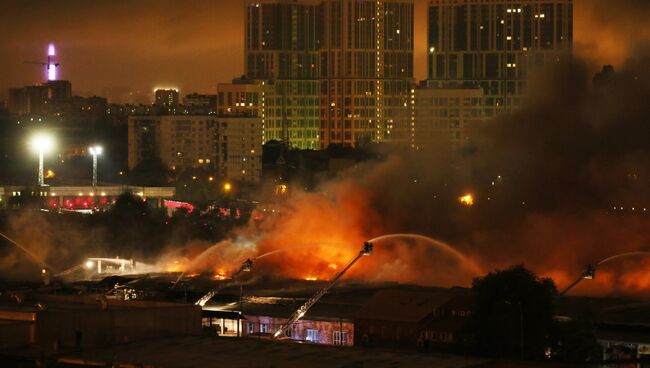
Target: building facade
45	98
495	44
446	117
229	146
339	70
283	40
366	71
240	98
200	100
167	98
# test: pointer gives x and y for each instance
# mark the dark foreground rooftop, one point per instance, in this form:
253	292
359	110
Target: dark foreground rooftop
197	351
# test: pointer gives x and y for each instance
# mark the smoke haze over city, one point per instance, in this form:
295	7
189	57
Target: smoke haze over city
196	44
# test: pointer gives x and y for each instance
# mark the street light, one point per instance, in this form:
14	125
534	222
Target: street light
95	151
41	143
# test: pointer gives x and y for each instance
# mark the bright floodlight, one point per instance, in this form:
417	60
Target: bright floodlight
90	264
96	150
42	143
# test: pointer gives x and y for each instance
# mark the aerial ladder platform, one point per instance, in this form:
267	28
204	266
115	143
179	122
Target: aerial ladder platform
300	312
245	267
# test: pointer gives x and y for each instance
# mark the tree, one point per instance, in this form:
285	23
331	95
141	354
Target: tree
150	172
513	313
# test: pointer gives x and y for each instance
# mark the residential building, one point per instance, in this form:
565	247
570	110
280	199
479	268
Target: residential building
282	42
240	98
167	98
44	98
366	71
231	146
50	97
495	44
17	101
445	118
340	70
200	100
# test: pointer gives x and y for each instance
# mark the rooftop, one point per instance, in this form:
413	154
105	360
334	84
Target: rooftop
401	305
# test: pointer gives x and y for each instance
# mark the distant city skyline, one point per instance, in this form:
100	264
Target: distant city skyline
195	45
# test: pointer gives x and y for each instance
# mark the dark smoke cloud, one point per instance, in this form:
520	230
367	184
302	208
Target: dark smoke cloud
610	30
546	178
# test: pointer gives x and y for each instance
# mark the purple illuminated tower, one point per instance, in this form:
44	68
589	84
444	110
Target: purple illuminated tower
51	64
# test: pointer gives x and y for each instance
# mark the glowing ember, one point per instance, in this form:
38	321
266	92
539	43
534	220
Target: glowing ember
311	278
466	200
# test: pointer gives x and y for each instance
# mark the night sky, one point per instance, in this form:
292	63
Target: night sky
109	48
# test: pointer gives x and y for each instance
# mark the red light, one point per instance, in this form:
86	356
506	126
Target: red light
176	205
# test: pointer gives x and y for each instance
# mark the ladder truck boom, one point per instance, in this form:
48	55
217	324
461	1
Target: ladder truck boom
300	312
245	267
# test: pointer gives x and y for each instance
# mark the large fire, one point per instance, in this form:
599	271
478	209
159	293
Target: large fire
316	234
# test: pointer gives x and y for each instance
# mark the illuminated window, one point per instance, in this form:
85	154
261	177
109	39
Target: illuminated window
340	338
312	335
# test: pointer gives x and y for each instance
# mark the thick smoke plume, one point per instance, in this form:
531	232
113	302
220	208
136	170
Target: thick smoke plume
558	184
562	183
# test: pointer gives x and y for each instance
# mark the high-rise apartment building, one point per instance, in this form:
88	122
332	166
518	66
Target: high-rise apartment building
240	98
283	39
446	118
231	147
366	70
287	115
339	71
494	44
44	98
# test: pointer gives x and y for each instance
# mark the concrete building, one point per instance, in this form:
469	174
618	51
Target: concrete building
241	98
340	69
495	44
366	71
167	98
17	101
444	118
230	146
55	100
283	41
200	100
